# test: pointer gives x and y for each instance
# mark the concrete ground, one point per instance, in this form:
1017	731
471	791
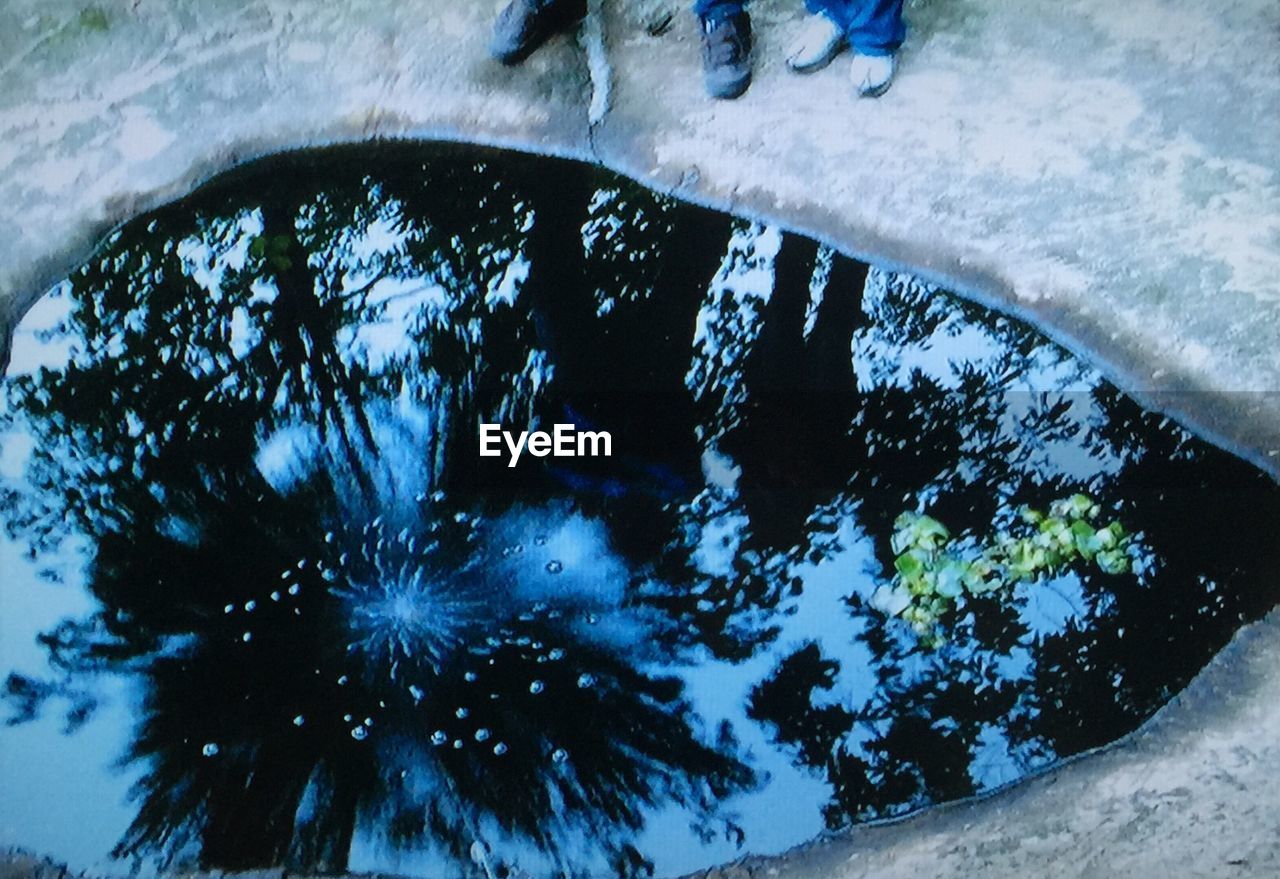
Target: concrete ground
1108	170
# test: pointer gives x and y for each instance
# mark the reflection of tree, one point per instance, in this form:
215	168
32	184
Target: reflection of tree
267	433
270	725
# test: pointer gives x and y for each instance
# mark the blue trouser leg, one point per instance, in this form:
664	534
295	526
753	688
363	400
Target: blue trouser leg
873	27
718	7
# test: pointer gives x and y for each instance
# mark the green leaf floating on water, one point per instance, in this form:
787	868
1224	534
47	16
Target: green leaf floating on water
934	573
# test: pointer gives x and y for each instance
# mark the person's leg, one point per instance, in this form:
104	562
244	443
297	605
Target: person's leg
874	27
875	30
726	46
703	8
819	39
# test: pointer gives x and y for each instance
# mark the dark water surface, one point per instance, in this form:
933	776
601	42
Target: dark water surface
264	603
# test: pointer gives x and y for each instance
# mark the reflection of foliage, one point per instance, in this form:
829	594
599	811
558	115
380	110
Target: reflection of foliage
933	571
266	434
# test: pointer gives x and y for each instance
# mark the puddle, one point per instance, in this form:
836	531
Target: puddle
266	604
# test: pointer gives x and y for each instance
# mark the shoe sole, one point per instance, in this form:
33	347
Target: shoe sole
728	91
875	92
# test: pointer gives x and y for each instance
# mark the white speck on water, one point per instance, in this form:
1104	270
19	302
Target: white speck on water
482	734
275	596
294	589
457	744
556	653
461	713
359	733
299	720
439	738
416	692
585	681
229	608
554	567
559	755
342	681
536	687
469	677
499	749
247	637
250	605
210	749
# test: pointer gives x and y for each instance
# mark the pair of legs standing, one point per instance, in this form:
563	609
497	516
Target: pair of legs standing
874	29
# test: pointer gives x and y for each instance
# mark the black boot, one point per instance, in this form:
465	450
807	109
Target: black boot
726	54
524	25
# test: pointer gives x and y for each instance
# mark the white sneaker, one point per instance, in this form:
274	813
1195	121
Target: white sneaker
872	74
819	40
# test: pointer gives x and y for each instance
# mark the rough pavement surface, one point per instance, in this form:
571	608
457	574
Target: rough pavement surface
1110	170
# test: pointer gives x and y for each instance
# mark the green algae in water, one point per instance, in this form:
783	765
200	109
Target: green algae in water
330	635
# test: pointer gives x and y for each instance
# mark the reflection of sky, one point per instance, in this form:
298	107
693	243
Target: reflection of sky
565	556
70	772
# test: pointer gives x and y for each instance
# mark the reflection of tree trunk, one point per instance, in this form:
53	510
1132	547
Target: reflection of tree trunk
305	328
252	827
562	302
777	357
830	357
793	444
324	843
639	383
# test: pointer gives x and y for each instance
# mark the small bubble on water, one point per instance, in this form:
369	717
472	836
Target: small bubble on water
536	687
555	654
559	755
284	575
247	637
482	734
299	720
439	738
416	692
342	681
499	749
461	713
250	605
554	567
229	608
210	749
275	596
457	744
328	537
540	540
294	589
359	733
585	681
469	677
